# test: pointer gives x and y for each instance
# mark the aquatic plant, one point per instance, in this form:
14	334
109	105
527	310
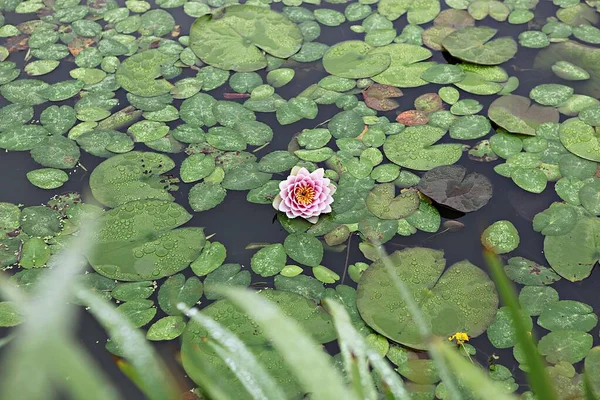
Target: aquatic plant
305	194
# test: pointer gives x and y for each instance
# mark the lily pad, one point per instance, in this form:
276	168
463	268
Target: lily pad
418	11
516	114
461	299
500	237
568	314
9	314
304	249
381	97
565	345
384	204
138	241
131	176
535	299
406	67
574	255
501	332
177	289
269	260
451	186
47	178
355	59
558	219
415	148
527	272
206	195
166	328
580	139
140	74
236	38
475	44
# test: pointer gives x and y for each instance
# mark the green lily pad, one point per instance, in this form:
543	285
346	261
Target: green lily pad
304	249
9	217
551	94
568	315
384	204
206	195
138	241
444	297
418	11
35	253
535	299
56	152
415	148
131	176
565	345
9	314
40	221
527	272
569	72
235	39
501	332
473	44
500	237
141	73
355	59
47	178
227	275
580	139
212	256
138	312
592	369
451	186
177	289
406	67
133	290
574	255
166	328
558	219
516	114
269	260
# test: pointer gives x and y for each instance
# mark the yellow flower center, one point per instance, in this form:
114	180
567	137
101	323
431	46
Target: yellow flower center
459	337
305	194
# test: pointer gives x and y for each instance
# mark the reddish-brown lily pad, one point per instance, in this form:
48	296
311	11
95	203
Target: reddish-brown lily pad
413	117
381	97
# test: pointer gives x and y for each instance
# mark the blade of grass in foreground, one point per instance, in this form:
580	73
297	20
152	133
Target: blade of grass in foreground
406	295
355	350
471	375
259	384
158	383
311	365
537	376
44	344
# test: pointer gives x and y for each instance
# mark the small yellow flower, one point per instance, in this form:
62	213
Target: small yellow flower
459	337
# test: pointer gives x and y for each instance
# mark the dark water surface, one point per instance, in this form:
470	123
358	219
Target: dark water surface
236	222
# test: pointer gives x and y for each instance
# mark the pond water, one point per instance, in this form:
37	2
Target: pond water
236	223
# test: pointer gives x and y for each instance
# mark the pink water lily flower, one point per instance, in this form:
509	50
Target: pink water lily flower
305	194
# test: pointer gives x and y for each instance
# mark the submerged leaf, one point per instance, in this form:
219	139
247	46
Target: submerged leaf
450	185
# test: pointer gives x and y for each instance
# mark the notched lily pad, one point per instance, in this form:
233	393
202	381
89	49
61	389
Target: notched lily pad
235	38
516	114
138	241
451	186
132	176
460	299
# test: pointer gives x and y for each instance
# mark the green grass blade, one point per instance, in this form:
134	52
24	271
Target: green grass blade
83	373
44	345
158	383
472	376
538	377
259	384
303	355
354	347
209	382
